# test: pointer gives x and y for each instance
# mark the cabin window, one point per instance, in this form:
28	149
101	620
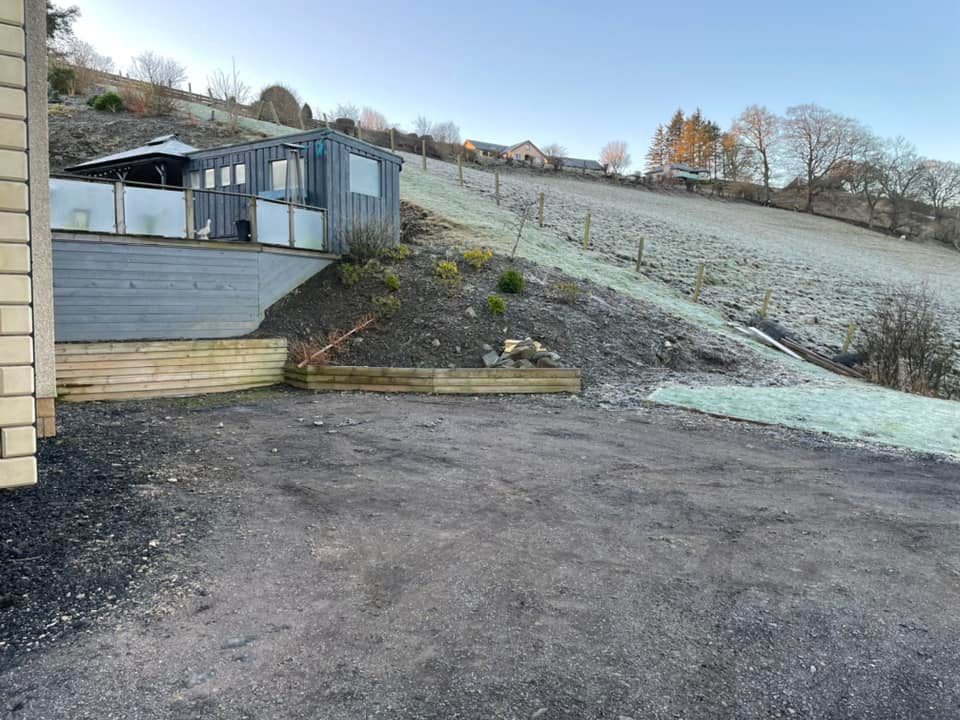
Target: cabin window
225	176
240	173
209	178
364	175
278	174
195	179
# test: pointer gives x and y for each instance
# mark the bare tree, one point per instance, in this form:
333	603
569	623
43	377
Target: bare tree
231	90
759	130
83	59
940	185
348	111
422	126
738	162
446	132
862	176
901	172
370	119
615	157
817	140
159	73
555	153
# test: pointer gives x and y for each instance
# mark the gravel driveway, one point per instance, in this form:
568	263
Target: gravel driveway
823	273
357	556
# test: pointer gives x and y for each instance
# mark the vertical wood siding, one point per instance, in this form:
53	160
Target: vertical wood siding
326	178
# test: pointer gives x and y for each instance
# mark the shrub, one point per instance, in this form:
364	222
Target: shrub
511	281
351	274
477	257
368	240
392	281
108	102
496	305
566	292
386	305
396	253
61	78
904	343
447	271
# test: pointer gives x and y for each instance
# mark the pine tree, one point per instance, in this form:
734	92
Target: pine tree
659	152
674	130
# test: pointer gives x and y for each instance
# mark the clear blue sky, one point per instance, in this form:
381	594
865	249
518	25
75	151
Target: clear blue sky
576	73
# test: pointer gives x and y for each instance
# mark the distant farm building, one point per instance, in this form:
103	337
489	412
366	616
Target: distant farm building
676	171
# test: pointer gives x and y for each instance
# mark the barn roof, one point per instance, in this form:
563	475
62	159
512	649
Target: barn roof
487	147
582	164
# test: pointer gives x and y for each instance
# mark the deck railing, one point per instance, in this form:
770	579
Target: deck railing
104	206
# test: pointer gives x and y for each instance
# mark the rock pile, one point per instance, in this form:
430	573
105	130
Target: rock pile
526	353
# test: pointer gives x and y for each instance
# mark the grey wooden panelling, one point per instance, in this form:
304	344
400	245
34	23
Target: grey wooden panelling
116	291
326	167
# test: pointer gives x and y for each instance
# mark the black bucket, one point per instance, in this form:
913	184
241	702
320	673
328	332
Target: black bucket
243	230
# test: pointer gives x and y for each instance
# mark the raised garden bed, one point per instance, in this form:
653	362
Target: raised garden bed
456	381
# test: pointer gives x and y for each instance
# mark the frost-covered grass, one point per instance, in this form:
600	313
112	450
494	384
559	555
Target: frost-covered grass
820	400
854	411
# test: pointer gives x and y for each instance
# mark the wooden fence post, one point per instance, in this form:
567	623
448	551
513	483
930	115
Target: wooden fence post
699	286
393	140
188	208
460	168
586	232
496	185
540	211
851	331
326	121
766	303
640	244
423	148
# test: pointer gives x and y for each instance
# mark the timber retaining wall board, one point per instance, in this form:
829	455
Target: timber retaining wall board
129	370
460	381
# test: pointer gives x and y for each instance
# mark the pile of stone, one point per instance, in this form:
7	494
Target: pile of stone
526	353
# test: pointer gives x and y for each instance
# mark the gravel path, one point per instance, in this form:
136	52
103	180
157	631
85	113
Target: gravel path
431	558
823	273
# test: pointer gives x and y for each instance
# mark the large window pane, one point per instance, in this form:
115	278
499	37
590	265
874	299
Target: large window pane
278	175
273	223
308	228
209	178
155	212
80	205
364	175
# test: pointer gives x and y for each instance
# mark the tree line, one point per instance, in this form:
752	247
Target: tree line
817	149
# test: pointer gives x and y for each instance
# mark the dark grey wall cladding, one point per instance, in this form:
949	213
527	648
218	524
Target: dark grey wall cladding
327	179
116	291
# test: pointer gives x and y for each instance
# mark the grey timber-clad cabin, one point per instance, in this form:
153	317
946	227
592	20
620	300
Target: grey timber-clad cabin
354	181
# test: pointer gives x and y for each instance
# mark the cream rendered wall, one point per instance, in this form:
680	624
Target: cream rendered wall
18	465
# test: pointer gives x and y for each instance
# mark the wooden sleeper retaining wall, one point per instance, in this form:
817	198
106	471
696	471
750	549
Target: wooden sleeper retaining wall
128	370
460	381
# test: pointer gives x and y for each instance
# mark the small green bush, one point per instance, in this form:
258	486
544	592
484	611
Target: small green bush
511	281
351	274
392	281
91	100
396	253
368	240
386	305
566	292
477	257
108	102
496	305
447	271
61	78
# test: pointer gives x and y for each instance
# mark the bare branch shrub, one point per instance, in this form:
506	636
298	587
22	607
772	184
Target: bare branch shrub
368	240
346	110
232	91
904	344
370	119
160	74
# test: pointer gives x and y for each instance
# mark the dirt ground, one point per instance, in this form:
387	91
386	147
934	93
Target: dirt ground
359	556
